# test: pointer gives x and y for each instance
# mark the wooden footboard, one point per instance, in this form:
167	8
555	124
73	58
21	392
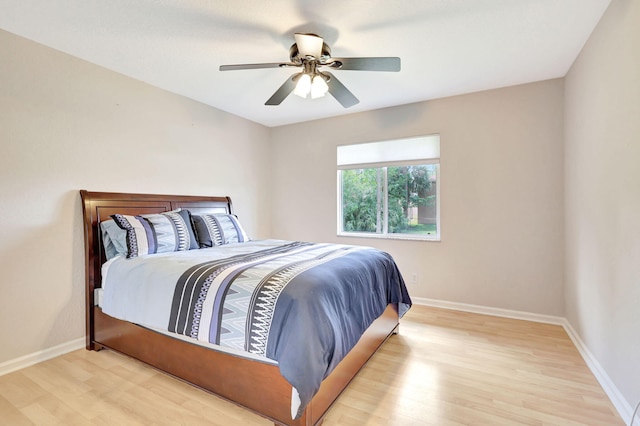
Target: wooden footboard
252	384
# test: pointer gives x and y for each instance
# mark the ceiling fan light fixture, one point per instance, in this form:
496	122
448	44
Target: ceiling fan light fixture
309	45
303	87
319	87
311	53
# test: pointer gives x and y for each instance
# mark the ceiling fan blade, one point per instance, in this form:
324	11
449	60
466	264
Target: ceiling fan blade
283	91
340	92
309	45
391	64
256	66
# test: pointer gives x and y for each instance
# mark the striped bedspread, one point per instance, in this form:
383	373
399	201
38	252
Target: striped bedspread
304	305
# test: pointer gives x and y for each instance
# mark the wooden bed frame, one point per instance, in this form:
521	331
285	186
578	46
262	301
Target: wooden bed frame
252	384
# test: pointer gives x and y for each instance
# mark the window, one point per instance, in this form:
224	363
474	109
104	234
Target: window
390	189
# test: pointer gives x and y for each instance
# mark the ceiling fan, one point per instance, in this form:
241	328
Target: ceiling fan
312	54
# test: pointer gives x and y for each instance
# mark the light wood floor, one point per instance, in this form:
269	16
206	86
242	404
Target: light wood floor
444	368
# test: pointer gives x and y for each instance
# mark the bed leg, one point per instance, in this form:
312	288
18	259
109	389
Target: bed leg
94	347
396	330
317	424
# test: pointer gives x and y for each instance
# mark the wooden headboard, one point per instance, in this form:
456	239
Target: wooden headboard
99	206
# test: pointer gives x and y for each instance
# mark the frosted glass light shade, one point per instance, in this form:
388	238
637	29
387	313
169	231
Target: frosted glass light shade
319	87
303	87
309	45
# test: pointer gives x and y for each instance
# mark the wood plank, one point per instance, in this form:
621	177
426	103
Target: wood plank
444	368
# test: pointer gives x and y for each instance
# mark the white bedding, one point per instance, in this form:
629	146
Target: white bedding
123	302
99	294
157	295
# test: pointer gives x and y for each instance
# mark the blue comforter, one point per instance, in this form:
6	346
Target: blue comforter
303	305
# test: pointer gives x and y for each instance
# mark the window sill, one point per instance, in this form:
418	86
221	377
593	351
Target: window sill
405	237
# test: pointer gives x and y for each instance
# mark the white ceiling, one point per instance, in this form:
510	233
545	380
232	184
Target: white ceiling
447	47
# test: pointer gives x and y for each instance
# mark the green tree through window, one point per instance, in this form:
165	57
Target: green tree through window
390	188
410	193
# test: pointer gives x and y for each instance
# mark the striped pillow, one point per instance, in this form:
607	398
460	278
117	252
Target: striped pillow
157	233
218	229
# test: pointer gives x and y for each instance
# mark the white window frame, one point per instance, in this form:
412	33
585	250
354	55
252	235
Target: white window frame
430	150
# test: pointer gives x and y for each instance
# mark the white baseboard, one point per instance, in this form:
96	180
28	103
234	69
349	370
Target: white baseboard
43	355
622	405
619	402
487	310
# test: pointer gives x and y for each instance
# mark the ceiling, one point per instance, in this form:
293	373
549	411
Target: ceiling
447	47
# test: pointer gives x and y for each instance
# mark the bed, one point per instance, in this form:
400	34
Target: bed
251	382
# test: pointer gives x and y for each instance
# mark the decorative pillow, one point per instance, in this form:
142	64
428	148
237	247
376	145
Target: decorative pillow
217	229
114	239
157	233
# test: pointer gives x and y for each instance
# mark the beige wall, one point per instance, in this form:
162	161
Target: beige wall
66	125
603	195
501	188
